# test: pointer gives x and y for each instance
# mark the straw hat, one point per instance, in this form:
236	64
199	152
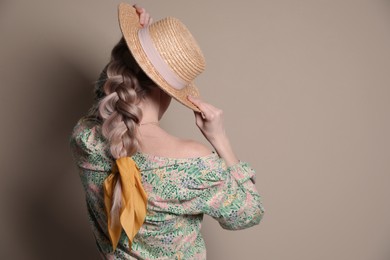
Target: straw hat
166	51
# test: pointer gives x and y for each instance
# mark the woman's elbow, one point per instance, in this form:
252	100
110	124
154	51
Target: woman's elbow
245	220
258	215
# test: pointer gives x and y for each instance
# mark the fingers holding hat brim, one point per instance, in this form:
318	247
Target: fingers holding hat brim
205	109
182	94
145	18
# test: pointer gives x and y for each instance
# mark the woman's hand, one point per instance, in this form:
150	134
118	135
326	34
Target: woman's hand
210	123
144	17
210	120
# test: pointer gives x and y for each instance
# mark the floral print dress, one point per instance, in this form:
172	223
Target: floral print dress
180	192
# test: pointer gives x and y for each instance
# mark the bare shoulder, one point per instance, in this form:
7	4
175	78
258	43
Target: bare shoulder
194	149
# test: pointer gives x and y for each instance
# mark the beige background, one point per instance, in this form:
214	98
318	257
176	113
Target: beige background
305	86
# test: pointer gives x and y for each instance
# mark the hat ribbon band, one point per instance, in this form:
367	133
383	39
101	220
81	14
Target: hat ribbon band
158	62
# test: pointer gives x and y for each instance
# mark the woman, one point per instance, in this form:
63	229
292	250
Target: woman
147	190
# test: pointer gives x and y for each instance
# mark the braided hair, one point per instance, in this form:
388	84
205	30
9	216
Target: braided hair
125	86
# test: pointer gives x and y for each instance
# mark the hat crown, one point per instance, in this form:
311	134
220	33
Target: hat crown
178	48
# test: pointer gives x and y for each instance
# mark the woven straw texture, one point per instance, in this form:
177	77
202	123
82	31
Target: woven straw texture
176	46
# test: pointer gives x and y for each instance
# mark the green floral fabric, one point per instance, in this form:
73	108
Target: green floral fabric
180	192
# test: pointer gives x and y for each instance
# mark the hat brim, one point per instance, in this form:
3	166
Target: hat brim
129	25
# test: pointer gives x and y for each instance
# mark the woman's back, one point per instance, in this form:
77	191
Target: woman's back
156	141
180	191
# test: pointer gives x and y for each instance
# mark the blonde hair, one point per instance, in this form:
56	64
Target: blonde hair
125	86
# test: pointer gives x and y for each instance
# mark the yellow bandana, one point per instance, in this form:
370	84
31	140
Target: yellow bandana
134	200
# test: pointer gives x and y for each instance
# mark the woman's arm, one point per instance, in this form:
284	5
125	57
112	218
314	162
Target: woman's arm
210	122
228	194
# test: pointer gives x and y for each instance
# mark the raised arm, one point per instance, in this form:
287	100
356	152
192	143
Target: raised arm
210	123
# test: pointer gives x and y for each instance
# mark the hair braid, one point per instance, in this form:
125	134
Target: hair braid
125	86
120	115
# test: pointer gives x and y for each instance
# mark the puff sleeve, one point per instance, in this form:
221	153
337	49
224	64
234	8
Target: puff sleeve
94	163
228	194
89	149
